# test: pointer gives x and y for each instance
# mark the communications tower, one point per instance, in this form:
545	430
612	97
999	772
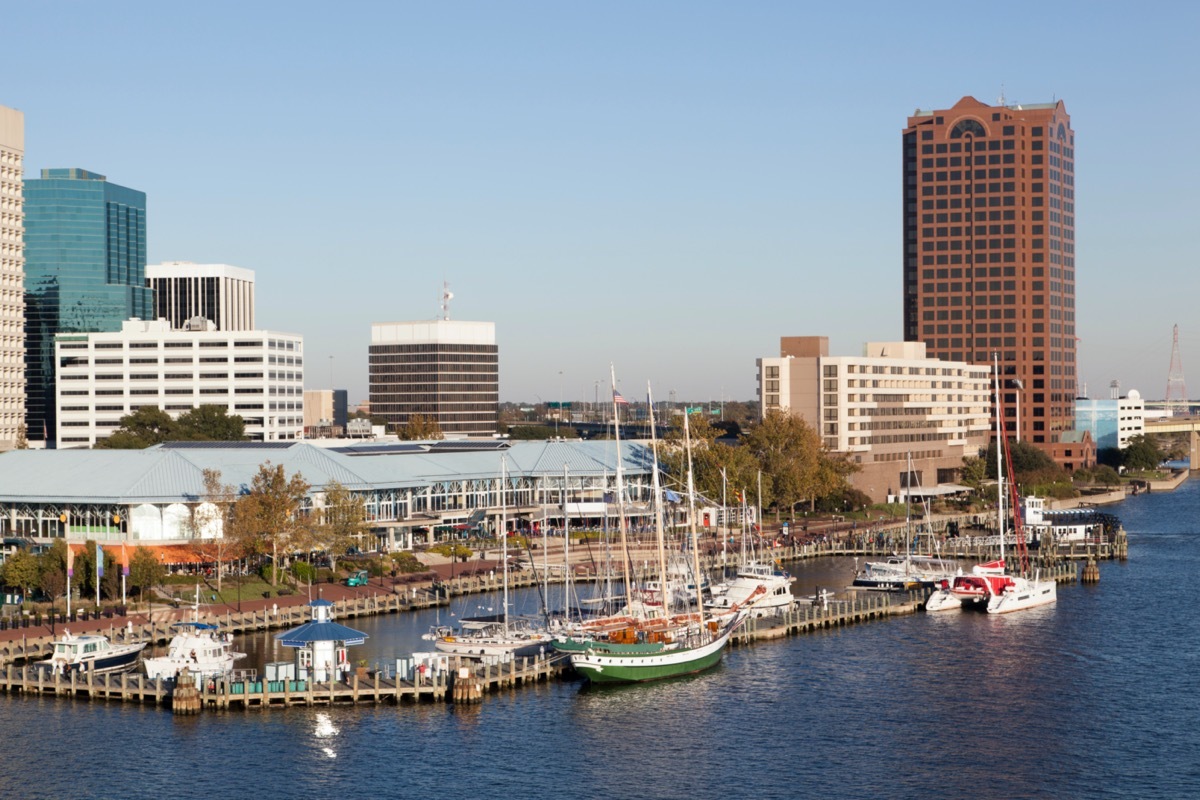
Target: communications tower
1177	396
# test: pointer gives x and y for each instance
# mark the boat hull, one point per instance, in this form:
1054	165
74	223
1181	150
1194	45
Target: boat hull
119	659
1028	594
943	600
601	663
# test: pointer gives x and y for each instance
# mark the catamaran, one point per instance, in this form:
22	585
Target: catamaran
989	586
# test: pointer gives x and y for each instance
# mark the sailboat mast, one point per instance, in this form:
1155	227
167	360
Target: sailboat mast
626	561
504	534
656	500
691	487
999	454
567	582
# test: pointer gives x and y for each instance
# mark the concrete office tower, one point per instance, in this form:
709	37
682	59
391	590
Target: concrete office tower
222	294
12	277
257	375
448	370
989	251
882	408
85	271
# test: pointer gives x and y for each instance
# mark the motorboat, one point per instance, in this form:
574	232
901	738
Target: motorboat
198	647
904	572
91	653
777	594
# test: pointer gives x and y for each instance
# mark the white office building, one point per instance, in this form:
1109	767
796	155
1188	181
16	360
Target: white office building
219	293
257	375
12	276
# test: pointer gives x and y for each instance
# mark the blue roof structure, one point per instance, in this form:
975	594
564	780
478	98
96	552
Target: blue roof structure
320	629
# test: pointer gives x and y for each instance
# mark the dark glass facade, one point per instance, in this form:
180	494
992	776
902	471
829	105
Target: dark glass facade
85	272
457	384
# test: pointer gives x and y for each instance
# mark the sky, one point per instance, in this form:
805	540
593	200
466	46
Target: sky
666	187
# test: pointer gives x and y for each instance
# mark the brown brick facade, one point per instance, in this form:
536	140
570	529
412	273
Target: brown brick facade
989	251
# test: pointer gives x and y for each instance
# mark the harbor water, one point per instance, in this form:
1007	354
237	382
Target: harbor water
1095	696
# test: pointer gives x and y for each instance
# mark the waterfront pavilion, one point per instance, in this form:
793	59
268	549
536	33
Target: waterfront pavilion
412	489
321	645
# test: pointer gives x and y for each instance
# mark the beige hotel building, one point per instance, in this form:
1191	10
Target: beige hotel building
12	277
883	407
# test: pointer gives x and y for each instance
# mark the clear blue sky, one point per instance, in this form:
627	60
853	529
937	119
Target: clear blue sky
669	186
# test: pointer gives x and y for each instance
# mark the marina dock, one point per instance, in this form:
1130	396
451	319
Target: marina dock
244	691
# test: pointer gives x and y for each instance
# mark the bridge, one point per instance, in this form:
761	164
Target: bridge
1189	425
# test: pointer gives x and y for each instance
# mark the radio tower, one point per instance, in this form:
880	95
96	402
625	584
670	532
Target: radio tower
1177	396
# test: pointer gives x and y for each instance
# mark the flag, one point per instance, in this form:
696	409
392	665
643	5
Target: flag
70	562
672	497
621	401
99	562
124	561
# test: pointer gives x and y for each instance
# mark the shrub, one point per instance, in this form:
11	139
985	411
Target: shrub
407	563
304	571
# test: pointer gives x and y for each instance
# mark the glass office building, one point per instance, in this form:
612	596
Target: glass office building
85	272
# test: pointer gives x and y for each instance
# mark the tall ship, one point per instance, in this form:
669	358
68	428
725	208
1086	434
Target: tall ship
661	645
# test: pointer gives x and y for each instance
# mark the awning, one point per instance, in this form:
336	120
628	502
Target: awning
934	491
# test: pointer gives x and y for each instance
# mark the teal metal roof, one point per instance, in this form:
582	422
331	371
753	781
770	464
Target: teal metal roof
172	474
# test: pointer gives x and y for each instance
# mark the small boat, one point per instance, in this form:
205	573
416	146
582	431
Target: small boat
777	595
199	648
91	653
904	572
483	638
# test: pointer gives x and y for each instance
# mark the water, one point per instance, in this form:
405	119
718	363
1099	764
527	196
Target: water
1095	696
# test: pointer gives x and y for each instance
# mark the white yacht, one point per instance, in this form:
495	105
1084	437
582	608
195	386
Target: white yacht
198	647
777	595
91	652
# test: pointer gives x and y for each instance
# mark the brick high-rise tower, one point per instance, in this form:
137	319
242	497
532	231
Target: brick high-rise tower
989	251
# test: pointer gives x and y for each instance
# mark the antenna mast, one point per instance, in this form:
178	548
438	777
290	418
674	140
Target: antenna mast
447	296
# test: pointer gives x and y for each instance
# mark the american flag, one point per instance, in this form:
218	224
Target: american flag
618	399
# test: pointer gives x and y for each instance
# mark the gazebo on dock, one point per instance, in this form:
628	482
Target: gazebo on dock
321	645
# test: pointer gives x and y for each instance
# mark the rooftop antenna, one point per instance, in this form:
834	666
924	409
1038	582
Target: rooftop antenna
1002	100
447	296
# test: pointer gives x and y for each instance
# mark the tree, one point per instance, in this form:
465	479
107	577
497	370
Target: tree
213	520
793	459
21	571
210	423
268	518
1142	452
145	427
341	521
145	571
420	428
52	566
974	471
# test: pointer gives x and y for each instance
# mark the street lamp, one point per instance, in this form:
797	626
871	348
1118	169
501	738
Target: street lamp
1020	387
560	405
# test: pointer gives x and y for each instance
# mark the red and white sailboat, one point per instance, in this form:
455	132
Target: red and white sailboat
988	586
